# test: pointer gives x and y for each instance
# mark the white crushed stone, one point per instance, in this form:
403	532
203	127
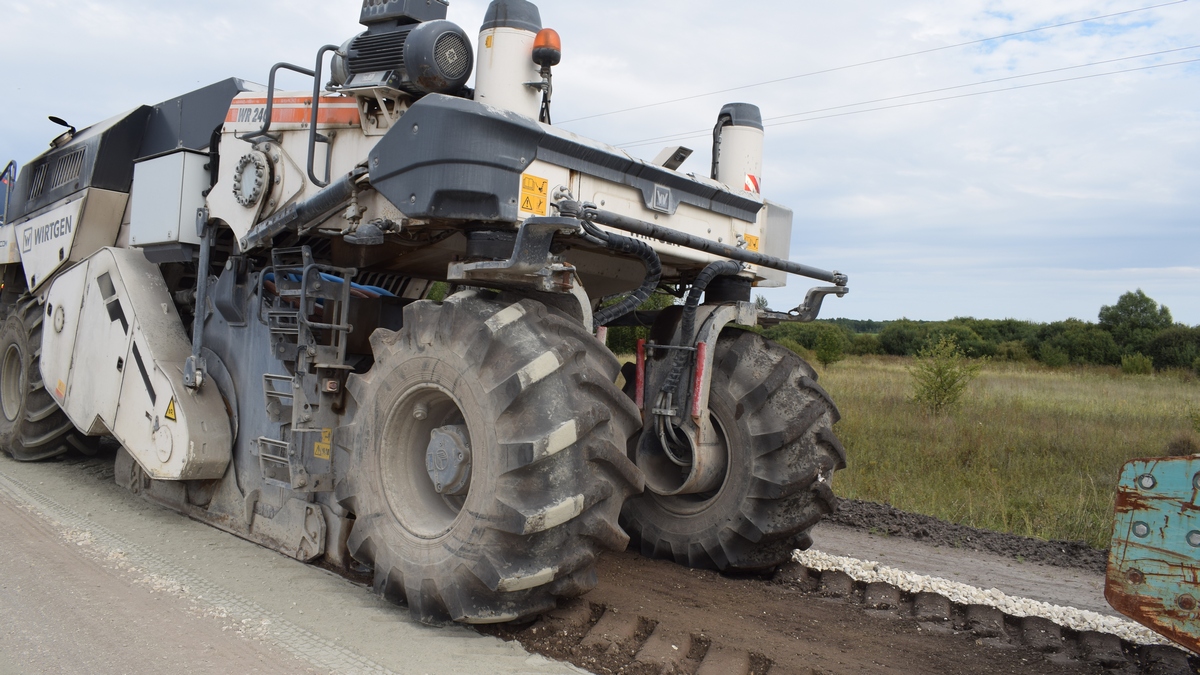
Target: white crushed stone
1069	617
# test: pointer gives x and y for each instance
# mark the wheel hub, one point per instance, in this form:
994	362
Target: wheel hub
448	459
10	388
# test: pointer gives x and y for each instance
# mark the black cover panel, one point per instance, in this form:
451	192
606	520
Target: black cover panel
189	120
453	159
99	156
103	154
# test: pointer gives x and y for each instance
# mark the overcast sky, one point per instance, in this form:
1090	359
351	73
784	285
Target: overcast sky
1042	203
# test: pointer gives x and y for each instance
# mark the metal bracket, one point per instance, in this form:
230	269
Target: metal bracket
532	266
807	311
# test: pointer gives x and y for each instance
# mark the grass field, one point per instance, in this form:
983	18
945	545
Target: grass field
1030	450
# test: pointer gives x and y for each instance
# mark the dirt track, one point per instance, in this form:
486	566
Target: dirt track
673	619
777	625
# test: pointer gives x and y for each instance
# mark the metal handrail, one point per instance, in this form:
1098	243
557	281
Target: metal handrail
262	133
9	176
313	136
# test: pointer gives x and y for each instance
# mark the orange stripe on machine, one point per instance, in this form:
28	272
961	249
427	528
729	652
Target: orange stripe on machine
293	110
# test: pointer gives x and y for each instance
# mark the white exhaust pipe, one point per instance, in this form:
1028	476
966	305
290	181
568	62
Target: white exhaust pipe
505	65
738	148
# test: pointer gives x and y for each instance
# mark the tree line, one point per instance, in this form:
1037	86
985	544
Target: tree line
1134	331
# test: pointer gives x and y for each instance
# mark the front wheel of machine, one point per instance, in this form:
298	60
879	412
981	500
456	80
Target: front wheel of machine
32	426
512	408
776	424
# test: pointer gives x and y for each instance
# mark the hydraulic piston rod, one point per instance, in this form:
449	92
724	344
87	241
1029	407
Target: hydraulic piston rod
601	217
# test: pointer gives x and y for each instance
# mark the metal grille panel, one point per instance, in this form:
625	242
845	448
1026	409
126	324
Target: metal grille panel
452	55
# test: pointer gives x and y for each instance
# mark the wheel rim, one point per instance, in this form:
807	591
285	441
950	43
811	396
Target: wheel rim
409	491
10	390
691	504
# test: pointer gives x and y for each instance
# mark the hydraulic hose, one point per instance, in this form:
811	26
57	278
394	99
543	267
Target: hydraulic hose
676	448
720	268
624	246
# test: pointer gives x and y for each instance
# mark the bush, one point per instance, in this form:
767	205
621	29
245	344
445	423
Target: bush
1053	356
1134	320
865	345
1013	350
1136	364
831	347
1175	347
1196	365
1081	343
968	341
941	375
903	337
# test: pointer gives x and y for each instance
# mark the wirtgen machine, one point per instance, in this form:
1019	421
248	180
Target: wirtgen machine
234	285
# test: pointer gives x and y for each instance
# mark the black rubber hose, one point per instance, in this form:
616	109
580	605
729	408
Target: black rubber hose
720	268
629	246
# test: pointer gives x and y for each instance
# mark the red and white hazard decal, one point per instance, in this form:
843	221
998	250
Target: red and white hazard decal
752	184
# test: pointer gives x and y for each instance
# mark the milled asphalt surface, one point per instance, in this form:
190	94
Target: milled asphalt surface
1068	587
97	581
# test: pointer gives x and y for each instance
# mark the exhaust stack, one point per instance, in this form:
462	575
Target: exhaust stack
738	148
505	66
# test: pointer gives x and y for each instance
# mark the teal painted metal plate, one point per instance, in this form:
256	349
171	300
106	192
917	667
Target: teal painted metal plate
1154	561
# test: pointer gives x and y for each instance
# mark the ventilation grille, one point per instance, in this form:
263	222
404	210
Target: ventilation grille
452	55
38	185
67	169
382	51
60	171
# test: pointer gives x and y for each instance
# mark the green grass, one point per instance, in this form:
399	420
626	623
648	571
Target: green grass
1030	450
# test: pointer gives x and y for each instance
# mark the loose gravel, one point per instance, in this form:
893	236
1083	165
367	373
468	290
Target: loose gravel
1076	619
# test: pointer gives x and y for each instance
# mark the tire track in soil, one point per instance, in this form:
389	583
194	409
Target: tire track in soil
649	617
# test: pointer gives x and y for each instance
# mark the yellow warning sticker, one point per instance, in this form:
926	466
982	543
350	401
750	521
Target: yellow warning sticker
61	389
324	449
534	194
751	243
171	411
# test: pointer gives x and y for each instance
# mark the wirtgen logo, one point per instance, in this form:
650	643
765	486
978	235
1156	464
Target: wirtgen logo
44	233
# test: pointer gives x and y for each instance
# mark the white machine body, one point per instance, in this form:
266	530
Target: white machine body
113	351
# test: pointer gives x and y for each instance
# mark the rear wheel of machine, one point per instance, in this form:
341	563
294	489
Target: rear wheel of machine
32	426
776	423
545	430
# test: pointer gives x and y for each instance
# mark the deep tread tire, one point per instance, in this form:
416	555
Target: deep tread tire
32	426
778	424
543	500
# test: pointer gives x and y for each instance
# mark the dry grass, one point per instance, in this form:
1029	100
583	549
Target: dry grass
1031	451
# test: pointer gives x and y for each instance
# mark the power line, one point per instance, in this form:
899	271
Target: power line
703	133
690	134
872	62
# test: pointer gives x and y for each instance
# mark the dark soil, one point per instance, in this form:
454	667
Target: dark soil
885	519
786	625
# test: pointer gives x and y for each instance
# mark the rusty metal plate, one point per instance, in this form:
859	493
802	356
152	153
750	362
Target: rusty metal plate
1154	561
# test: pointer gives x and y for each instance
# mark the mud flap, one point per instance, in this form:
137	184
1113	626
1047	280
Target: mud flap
1154	560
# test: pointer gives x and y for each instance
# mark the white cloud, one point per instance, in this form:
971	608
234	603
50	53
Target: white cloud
1044	202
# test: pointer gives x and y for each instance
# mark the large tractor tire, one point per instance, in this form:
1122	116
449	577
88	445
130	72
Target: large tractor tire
513	409
776	423
32	426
